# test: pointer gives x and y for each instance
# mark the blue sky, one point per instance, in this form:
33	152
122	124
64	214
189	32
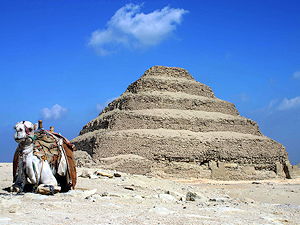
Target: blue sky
61	61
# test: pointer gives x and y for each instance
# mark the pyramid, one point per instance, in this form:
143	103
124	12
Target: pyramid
176	124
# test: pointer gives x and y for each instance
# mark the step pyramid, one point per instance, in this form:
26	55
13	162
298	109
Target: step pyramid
173	121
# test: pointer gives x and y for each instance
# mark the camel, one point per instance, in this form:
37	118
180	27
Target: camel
43	159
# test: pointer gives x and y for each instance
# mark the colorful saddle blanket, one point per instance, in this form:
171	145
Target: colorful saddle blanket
46	147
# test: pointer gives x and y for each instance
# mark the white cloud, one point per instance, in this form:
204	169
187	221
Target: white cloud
287	104
55	112
134	29
272	104
296	75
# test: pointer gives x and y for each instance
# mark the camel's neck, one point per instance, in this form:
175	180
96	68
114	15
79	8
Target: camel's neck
27	149
26	146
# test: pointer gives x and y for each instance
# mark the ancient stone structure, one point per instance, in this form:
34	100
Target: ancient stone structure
173	124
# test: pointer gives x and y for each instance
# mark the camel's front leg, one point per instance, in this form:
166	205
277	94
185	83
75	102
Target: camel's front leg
20	181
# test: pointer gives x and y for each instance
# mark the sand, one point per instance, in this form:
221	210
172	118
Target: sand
137	199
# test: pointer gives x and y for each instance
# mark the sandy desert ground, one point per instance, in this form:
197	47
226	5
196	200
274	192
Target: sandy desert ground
137	199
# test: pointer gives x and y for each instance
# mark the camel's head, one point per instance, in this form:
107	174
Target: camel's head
23	130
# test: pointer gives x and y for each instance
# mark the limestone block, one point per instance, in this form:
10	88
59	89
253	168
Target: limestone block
221	165
279	169
231	165
213	165
218	170
288	169
249	170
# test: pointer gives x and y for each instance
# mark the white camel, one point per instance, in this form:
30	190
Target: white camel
31	169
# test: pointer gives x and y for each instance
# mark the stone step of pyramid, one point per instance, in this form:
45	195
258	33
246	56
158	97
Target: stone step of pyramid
170	100
171	72
197	121
184	146
153	83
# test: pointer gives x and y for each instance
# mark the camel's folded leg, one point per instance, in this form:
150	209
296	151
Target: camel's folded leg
46	189
48	181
